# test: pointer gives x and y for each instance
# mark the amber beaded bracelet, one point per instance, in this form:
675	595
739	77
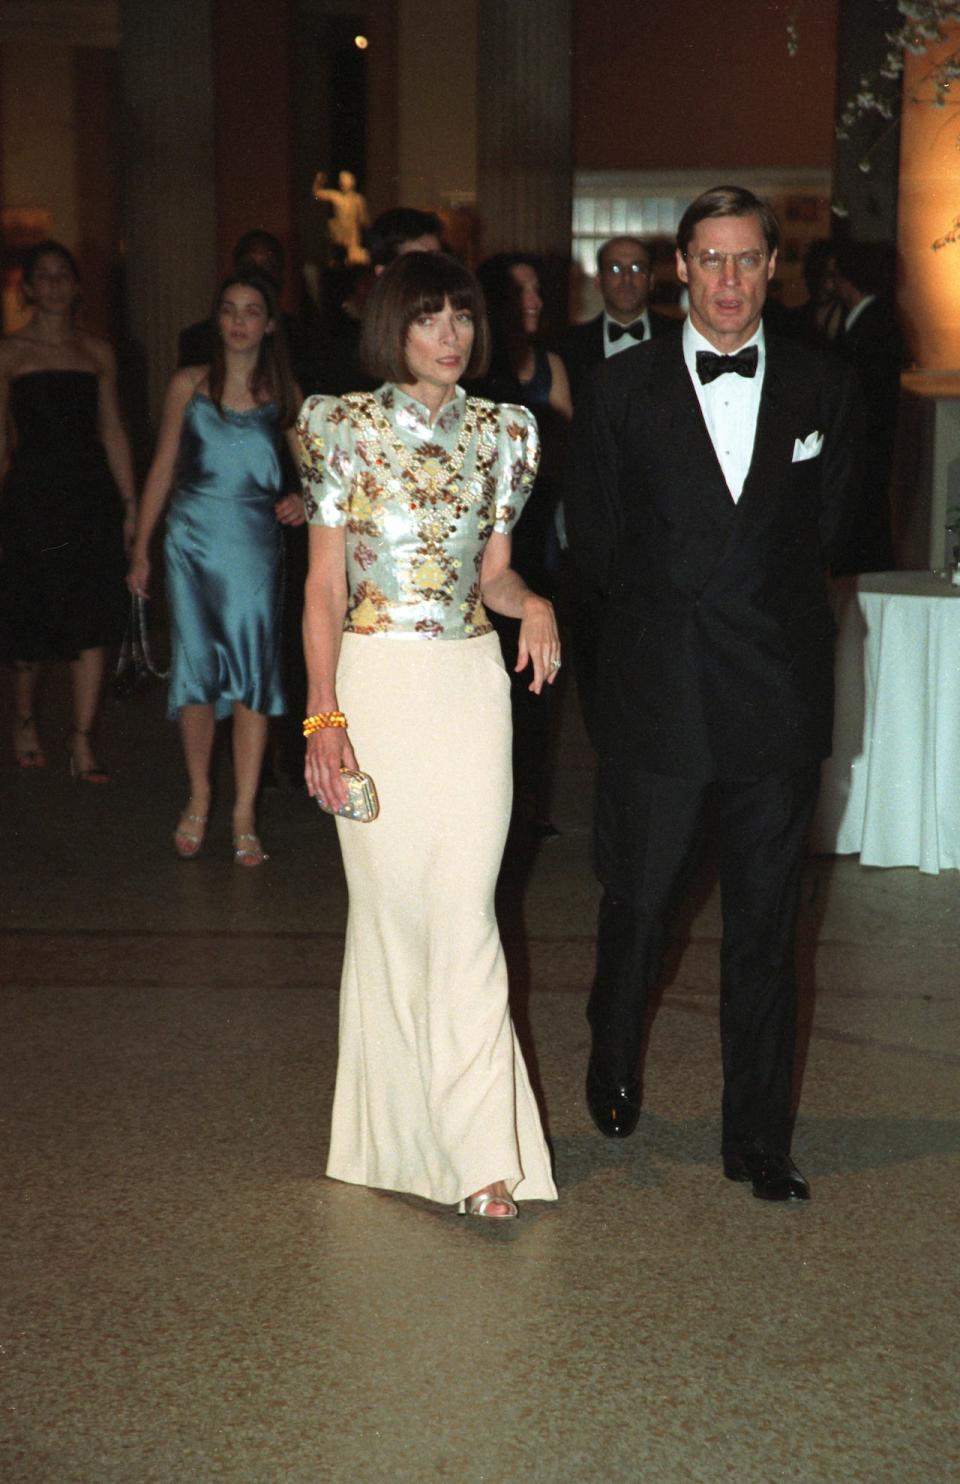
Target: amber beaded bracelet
322	720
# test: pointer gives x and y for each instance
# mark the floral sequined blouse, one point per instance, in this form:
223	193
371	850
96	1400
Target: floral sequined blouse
419	501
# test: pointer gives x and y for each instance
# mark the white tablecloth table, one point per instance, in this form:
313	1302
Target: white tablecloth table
891	791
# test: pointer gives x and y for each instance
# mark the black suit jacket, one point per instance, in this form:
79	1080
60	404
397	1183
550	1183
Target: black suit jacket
874	347
582	347
716	648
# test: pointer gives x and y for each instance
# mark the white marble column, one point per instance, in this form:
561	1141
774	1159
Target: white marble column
524	174
169	177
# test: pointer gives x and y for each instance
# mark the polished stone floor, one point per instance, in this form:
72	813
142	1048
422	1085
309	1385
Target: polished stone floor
185	1298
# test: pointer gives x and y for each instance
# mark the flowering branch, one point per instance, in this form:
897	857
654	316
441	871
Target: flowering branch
925	25
951	235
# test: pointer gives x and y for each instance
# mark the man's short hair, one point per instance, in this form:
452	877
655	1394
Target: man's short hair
727	201
393	228
816	262
418	283
861	263
257	248
623	237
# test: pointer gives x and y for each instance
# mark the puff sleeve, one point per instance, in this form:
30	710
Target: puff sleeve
327	460
519	459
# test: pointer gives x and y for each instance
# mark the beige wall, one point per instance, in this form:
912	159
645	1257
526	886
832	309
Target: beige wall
437	66
702	85
39	148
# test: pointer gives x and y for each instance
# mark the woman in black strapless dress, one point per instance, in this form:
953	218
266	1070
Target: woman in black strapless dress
66	507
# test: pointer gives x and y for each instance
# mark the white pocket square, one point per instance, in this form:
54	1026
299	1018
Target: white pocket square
807	448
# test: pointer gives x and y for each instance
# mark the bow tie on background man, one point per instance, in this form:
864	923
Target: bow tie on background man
710	365
617	331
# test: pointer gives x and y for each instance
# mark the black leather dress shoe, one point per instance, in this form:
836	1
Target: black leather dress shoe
774	1177
614	1106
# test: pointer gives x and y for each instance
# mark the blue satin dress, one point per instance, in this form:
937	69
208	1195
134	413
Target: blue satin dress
224	554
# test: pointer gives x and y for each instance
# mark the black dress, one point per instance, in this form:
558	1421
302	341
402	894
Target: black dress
536	556
62	562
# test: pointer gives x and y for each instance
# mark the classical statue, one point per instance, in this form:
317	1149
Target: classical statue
349	216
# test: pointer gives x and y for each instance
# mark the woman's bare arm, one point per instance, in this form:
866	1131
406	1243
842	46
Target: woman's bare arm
156	490
113	435
560	399
289	508
325	603
505	591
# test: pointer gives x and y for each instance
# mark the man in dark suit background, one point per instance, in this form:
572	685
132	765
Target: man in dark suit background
870	341
624	269
623	277
714	472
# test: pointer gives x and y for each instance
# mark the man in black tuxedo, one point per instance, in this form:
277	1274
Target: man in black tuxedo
714	475
623	278
872	344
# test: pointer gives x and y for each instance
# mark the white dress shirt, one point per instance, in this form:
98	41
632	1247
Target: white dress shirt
623	342
729	405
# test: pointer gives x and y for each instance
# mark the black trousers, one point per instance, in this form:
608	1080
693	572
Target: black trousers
647	830
581	612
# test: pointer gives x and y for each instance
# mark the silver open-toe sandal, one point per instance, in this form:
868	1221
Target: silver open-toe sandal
479	1205
247	850
187	842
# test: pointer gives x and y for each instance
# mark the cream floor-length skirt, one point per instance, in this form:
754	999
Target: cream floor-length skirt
432	1093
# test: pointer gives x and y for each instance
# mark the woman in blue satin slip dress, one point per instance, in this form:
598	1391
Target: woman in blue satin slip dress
218	450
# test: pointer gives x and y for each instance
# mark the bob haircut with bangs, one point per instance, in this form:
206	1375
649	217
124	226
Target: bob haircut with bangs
418	283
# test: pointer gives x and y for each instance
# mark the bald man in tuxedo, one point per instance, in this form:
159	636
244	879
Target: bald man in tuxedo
624	270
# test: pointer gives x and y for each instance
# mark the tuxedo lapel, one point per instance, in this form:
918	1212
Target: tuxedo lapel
776	424
595	348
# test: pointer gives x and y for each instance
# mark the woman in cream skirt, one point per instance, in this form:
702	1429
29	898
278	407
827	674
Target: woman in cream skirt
411	492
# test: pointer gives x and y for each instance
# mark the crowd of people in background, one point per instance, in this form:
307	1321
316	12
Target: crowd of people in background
60	598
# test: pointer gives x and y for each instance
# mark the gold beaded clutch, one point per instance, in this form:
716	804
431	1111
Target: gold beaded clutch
362	802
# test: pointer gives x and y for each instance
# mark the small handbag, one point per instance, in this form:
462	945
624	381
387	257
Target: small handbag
135	666
362	802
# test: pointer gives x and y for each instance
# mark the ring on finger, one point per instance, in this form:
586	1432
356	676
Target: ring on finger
555	663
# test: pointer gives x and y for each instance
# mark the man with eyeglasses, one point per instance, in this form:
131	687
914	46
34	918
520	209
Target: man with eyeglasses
715	471
624	269
623	277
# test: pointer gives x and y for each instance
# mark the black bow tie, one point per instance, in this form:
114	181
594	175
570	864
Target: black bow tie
710	365
617	331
